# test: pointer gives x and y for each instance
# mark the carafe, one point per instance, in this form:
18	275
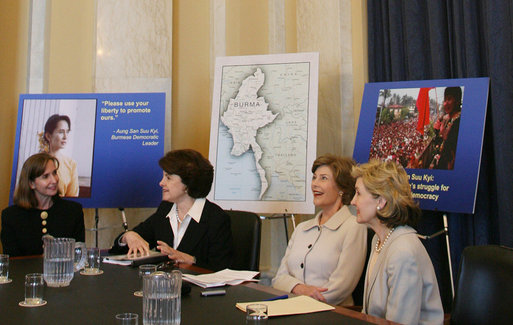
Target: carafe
162	298
62	257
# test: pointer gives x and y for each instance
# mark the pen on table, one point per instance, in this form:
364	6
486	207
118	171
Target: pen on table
277	298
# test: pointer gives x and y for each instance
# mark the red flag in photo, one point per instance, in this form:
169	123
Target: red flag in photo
423	109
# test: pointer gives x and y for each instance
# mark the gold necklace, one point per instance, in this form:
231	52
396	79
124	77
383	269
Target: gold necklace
378	248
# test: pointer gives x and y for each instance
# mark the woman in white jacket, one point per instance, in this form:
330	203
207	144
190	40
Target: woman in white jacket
326	255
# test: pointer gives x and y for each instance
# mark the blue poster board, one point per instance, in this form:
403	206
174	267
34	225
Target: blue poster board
114	144
421	125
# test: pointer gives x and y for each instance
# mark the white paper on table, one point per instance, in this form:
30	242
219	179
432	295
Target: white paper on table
221	278
290	306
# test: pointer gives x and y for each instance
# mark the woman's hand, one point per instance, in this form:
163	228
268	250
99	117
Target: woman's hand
311	291
136	244
177	256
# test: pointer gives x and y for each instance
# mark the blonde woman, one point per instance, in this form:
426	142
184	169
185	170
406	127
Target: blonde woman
400	284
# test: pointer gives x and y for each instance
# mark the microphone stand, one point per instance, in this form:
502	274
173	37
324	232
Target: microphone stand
96	222
436	234
123	216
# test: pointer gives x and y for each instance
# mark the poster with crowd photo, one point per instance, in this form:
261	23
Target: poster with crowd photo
107	145
434	129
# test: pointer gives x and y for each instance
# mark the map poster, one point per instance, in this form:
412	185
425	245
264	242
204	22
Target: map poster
434	129
263	132
107	145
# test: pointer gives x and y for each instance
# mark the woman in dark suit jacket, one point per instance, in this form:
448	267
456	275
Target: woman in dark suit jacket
186	226
38	209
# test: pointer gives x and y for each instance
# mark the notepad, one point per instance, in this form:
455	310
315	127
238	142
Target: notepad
123	259
291	306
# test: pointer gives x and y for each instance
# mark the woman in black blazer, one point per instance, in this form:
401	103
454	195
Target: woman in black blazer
186	226
38	209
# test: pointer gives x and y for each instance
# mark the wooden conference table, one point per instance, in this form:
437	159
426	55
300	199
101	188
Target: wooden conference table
97	299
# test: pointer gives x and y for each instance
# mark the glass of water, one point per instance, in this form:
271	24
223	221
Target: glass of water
145	269
93	262
256	314
4	269
127	319
34	287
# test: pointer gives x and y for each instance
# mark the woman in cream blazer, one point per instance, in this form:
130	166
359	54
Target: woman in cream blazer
326	255
400	284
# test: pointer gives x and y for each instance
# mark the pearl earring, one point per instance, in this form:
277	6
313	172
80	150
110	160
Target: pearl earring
340	193
378	208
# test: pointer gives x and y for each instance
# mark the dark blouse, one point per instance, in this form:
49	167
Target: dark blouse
22	229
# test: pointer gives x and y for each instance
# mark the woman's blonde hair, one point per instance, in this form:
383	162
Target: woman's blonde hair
390	181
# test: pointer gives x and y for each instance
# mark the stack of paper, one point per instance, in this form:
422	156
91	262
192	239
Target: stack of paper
221	278
290	306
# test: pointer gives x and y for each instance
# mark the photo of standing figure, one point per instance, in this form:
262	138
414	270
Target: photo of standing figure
53	140
63	128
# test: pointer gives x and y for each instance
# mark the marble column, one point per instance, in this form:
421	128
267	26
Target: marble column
325	27
133	54
37	49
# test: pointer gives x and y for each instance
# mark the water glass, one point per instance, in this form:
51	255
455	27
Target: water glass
34	287
162	298
145	269
127	319
4	269
256	314
93	261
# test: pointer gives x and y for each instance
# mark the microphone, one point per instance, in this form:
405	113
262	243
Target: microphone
123	216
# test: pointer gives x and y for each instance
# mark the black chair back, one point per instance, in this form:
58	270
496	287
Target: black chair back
246	231
484	288
358	291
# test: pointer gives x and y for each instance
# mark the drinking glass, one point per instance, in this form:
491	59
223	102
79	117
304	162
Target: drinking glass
127	319
34	287
145	269
93	262
4	269
256	314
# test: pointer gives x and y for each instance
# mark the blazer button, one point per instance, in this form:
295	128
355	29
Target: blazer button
310	246
43	222
44	230
302	265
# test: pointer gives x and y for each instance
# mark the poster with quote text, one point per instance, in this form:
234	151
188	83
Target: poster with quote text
108	145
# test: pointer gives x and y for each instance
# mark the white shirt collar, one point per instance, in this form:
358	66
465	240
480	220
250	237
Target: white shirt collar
197	209
194	212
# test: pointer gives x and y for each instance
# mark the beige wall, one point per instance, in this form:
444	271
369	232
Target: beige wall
191	75
70	60
13	69
71	50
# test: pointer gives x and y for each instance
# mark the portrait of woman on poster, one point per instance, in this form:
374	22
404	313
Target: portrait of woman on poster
326	255
39	210
53	140
400	282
